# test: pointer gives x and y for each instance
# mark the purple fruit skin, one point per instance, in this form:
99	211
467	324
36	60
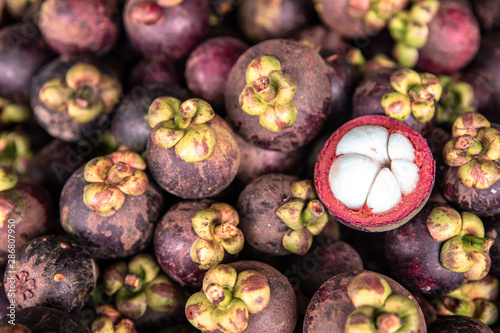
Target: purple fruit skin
413	256
330	306
208	67
458	324
123	234
153	75
312	100
368	96
453	41
488	13
266	19
173	239
22	53
182	27
342	81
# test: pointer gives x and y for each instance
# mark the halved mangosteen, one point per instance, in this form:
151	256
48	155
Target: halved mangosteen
375	173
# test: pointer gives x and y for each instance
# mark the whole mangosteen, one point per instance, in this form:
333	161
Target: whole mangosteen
363	301
192	152
194	236
374	173
278	94
51	271
110	206
438	250
245	296
72	99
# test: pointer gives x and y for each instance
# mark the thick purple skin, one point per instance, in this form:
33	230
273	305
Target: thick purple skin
35	220
73	27
153	75
313	97
45	319
36	269
488	13
173	36
173	239
123	234
330	306
342	85
22	53
129	125
265	19
368	96
481	202
208	67
256	161
59	124
413	256
334	14
320	263
486	65
280	315
257	205
458	324
453	41
201	179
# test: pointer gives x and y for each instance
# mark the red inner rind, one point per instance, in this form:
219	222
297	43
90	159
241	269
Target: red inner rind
423	159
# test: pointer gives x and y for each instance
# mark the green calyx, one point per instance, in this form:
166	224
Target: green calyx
139	285
11	112
414	93
11	200
227	298
410	30
183	126
109	320
465	249
84	93
269	94
304	214
473	299
112	177
374	13
378	310
475	150
217	228
8	178
457	98
15	151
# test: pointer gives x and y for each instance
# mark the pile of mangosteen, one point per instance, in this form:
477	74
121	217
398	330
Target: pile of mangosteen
249	166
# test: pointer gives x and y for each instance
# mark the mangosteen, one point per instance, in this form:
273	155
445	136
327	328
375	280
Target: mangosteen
488	13
472	157
110	206
400	94
72	27
192	152
16	150
43	319
143	293
152	75
474	299
323	38
245	296
357	19
437	36
208	67
320	263
109	319
166	30
72	99
438	250
256	161
22	53
130	125
374	173
266	19
363	301
194	236
287	85
458	324
25	213
51	271
280	214
457	98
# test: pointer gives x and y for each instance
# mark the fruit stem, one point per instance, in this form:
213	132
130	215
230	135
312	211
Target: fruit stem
388	323
477	244
119	172
133	282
